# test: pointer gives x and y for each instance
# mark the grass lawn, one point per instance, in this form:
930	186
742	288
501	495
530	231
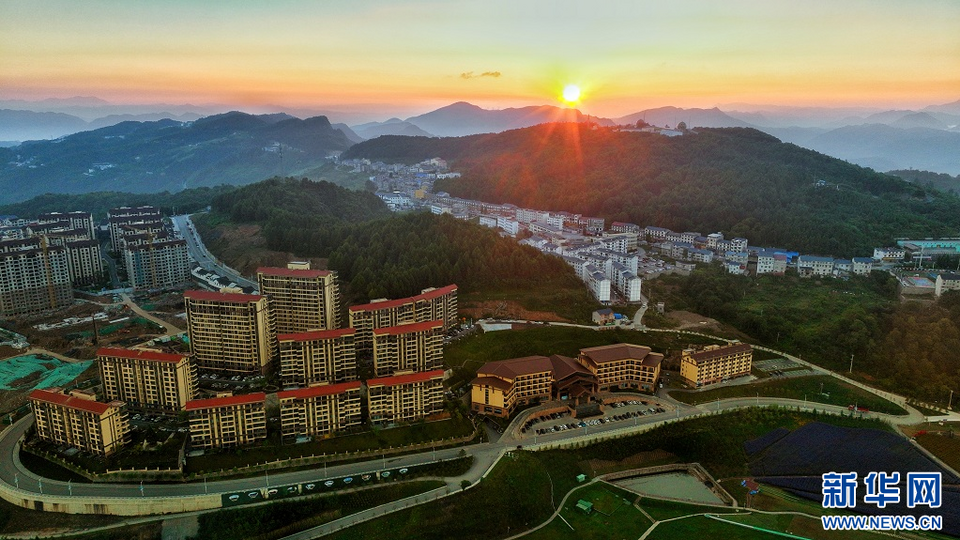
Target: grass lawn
288	517
515	496
661	510
613	517
945	447
375	439
838	393
469	354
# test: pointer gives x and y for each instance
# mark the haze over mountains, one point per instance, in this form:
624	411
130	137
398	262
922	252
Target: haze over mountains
926	139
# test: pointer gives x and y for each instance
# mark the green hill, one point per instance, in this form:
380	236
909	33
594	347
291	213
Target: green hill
166	155
735	180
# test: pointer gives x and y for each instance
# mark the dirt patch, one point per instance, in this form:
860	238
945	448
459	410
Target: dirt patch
602	466
687	320
506	309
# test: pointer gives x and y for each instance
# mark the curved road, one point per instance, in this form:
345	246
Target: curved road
206	260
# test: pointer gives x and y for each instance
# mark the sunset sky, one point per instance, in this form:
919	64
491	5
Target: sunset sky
410	57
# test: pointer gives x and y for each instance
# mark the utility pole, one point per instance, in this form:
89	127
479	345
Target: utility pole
851	364
950	403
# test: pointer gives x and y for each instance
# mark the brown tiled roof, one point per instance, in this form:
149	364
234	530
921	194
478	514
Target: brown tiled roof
564	367
134	354
705	356
430	295
422	376
653	359
494	382
513	368
615	352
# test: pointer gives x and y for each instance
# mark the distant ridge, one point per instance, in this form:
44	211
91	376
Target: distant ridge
462	118
143	157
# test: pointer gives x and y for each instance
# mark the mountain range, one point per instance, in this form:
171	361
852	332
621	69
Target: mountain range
168	155
739	180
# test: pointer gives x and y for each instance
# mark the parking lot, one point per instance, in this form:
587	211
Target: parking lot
782	367
236	382
615	412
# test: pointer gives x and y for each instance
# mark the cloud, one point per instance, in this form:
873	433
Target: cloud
472	75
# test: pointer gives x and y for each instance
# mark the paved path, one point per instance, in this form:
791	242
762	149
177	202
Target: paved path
169	329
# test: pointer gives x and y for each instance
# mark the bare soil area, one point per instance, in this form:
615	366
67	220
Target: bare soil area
689	320
506	310
244	249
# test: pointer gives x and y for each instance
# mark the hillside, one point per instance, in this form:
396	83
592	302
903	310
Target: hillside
738	181
379	254
98	203
464	118
166	155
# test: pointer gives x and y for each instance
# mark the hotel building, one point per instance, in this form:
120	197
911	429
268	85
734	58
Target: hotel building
303	300
148	380
408	347
715	363
227	421
230	332
319	410
405	398
430	305
77	420
326	356
622	365
502	386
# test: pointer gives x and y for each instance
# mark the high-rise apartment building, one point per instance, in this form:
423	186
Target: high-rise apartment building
76	220
326	356
319	410
230	332
156	264
408	347
84	262
34	277
126	220
148	380
227	421
77	420
405	398
430	305
303	300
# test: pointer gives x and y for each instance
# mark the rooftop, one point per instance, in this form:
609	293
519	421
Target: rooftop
721	351
71	402
408	328
317	334
422	376
427	295
212	403
622	351
140	354
318	391
291	272
211	296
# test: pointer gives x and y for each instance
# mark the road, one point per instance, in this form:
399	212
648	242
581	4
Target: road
198	252
169	329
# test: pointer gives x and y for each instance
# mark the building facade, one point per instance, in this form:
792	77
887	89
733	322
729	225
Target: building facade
230	332
84	261
502	386
226	422
34	277
408	347
79	421
715	363
327	356
430	305
405	398
303	300
156	264
319	410
148	380
622	365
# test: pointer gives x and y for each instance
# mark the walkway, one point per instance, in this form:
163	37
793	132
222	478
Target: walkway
169	329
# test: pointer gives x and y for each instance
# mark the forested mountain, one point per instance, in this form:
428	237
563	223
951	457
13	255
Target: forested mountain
464	118
98	203
145	157
738	181
380	254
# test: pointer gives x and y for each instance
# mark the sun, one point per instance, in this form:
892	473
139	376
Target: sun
571	93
